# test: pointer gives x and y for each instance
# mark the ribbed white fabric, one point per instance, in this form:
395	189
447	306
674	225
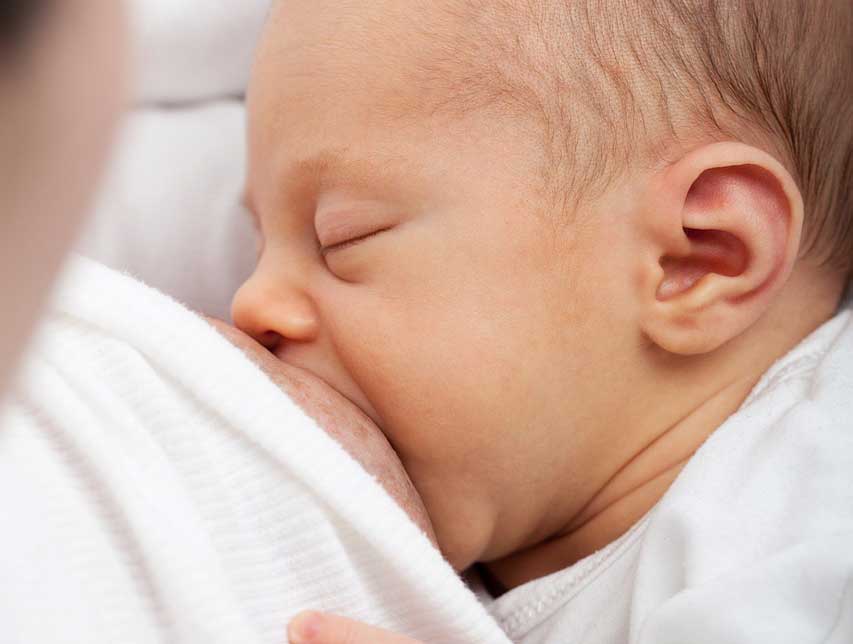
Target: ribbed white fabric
155	486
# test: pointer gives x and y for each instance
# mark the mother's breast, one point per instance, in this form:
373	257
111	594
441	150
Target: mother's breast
339	418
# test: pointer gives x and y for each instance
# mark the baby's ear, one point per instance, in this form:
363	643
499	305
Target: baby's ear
722	227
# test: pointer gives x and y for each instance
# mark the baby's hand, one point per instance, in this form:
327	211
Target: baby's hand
321	628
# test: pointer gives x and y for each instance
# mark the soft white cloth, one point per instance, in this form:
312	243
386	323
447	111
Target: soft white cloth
193	50
753	543
155	486
171	212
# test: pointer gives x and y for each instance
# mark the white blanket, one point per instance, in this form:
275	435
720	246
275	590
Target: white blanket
155	486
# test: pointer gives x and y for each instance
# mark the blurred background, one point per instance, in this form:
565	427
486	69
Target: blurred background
170	207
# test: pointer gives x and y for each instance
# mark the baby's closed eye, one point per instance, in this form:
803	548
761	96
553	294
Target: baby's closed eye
349	241
339	221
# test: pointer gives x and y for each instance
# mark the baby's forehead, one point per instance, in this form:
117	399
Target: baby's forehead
360	76
443	57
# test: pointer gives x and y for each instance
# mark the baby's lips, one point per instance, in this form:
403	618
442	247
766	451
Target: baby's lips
304	387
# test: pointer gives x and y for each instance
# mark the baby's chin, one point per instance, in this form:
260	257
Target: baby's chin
341	419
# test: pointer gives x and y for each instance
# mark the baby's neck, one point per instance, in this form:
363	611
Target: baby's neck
629	494
690	403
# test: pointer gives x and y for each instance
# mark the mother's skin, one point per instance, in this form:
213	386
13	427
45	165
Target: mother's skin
61	92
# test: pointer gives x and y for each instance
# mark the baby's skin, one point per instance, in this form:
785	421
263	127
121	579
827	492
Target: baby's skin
542	368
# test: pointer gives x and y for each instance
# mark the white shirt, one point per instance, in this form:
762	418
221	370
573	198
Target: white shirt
752	544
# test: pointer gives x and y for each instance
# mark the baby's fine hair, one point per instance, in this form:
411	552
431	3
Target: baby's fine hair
611	82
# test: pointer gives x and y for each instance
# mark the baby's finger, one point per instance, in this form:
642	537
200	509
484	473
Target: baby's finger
312	627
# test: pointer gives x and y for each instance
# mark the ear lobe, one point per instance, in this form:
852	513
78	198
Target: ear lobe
738	216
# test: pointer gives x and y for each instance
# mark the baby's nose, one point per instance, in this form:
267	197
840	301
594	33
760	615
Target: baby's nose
272	314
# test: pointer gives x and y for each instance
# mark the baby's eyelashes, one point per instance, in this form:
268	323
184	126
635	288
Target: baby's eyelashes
325	249
337	227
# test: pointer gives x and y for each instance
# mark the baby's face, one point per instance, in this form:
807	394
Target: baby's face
409	260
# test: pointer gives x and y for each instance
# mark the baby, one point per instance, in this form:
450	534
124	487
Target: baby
550	247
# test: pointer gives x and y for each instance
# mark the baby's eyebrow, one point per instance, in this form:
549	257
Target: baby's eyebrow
334	167
305	178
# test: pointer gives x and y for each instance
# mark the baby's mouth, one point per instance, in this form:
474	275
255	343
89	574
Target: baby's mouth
333	395
344	419
316	395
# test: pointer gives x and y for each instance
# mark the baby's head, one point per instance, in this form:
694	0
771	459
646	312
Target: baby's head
526	238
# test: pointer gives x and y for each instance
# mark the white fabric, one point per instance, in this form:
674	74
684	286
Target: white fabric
171	212
753	543
193	50
155	486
